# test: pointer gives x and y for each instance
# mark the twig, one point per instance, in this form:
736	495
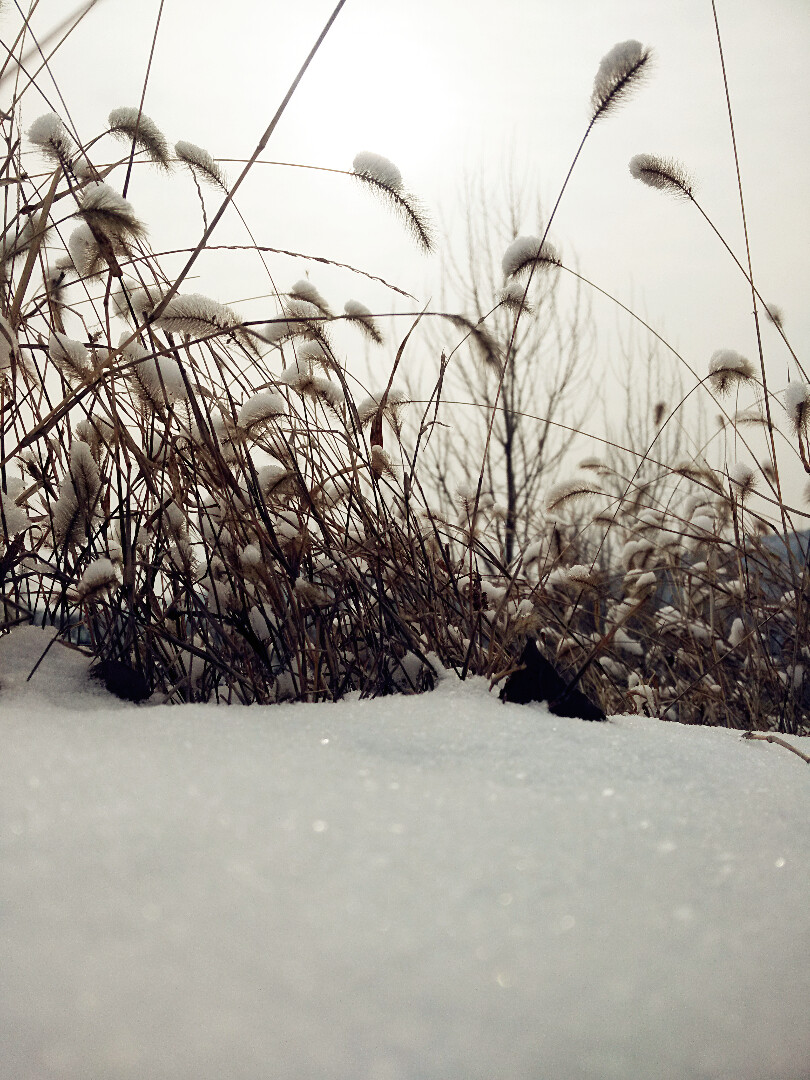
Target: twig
765	736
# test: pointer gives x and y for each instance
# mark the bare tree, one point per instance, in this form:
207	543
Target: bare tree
543	361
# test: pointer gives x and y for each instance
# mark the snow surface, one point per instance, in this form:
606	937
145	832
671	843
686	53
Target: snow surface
431	888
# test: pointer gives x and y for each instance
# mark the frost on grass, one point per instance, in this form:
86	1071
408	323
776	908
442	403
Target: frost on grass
663	174
305	290
85	252
68	356
619	72
99	577
132	125
394	402
299	317
201	163
743	480
132	300
18	238
107	212
527	252
514	298
314	386
260	409
159	380
797	406
378	169
386	180
51	136
360	316
78	495
198	316
727	369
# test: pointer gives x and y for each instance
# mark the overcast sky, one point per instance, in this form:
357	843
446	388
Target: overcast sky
443	88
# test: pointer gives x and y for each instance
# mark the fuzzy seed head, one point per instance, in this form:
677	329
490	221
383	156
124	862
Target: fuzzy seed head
313	354
106	211
367	409
97	432
736	633
378	169
263	622
318	388
84	169
99	577
573	577
513	298
727	369
743	479
131	125
619	72
201	164
361	317
130	297
775	315
477	332
300	317
305	290
68	356
381	463
664	174
50	135
78	494
159	379
526	252
199	316
564	493
250	559
85	252
260	410
273	479
797	406
19	238
385	178
355	310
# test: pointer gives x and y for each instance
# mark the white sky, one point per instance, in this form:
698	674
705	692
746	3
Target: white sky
443	87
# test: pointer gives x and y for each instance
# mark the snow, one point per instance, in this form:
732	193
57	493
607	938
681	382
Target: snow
414	888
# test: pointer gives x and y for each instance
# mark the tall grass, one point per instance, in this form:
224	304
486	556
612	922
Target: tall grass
210	509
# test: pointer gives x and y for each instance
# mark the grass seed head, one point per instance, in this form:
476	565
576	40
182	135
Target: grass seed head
797	406
619	72
728	369
663	174
131	125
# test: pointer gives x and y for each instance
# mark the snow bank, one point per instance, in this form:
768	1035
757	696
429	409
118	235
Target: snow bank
432	888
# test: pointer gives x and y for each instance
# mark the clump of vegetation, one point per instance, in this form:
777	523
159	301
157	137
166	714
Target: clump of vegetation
206	505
